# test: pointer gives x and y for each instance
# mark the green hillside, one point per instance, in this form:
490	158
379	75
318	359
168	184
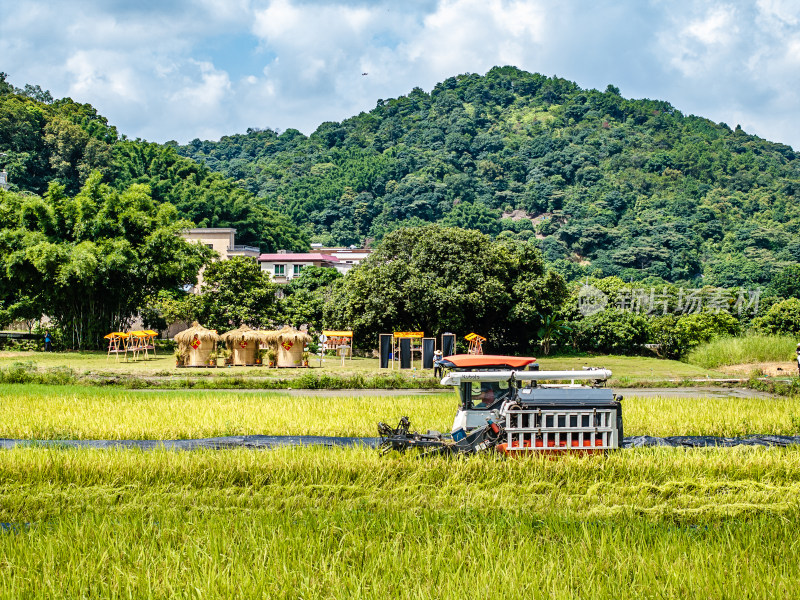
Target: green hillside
61	141
609	185
606	185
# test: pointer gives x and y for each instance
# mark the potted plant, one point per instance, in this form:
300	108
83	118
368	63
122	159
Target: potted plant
180	360
212	359
227	355
260	354
272	356
305	359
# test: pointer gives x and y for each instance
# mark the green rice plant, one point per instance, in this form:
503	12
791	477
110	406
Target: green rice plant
690	486
334	523
743	350
86	412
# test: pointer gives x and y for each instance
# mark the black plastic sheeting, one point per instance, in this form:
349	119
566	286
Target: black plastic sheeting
705	441
266	442
428	348
405	353
448	344
217	443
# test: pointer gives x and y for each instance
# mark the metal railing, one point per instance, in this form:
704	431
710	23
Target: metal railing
562	429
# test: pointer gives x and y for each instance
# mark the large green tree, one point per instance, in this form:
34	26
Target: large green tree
782	318
90	261
236	292
436	279
44	141
305	296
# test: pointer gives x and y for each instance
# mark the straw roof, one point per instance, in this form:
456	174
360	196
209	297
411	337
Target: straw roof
185	337
242	334
287	334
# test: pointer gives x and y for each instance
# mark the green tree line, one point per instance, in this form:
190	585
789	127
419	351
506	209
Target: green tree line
440	279
90	261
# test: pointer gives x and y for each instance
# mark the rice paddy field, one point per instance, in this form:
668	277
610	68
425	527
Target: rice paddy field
346	523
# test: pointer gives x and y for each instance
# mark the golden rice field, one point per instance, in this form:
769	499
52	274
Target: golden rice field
346	523
74	412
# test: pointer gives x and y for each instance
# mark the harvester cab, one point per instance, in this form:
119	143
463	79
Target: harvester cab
508	404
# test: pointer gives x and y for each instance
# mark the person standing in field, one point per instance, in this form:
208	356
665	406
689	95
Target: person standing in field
48	341
437	363
798	360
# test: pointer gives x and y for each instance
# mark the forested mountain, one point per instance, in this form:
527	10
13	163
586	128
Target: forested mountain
608	185
61	141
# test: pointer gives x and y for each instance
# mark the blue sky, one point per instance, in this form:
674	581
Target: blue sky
172	69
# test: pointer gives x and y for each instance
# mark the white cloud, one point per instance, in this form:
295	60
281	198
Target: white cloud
716	27
180	69
784	12
470	35
102	74
213	87
696	47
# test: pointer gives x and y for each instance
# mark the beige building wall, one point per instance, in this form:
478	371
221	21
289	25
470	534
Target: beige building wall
222	241
218	239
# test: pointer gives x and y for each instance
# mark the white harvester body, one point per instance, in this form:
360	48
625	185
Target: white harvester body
539	416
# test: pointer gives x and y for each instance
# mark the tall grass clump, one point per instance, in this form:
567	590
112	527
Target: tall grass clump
28	372
743	350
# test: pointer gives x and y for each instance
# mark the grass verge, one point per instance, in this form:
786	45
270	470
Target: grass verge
743	350
93	368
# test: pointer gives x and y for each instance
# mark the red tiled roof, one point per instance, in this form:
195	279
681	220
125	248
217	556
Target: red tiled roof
298	257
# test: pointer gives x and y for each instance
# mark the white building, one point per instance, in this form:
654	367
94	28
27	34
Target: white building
282	266
348	257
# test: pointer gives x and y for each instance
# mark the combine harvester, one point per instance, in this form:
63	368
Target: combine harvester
506	405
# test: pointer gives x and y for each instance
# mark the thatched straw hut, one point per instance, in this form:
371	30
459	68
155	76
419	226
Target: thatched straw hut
289	343
243	343
196	343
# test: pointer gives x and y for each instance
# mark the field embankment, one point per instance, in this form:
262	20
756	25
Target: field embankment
94	368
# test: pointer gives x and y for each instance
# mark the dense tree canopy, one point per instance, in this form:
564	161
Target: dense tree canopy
90	261
781	318
604	184
46	141
436	279
236	292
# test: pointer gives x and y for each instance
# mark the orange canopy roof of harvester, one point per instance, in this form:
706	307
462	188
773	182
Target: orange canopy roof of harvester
488	360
